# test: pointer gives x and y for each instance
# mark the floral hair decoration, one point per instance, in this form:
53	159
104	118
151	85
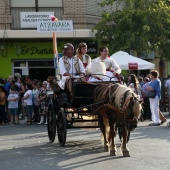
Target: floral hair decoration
53	18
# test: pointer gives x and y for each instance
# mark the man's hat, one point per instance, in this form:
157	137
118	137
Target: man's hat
68	45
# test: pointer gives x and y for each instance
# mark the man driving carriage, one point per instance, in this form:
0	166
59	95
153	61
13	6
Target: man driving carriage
70	66
106	66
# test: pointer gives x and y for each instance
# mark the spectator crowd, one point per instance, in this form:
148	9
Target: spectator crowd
24	98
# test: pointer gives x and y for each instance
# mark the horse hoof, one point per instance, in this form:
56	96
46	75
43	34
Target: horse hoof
126	154
106	148
112	153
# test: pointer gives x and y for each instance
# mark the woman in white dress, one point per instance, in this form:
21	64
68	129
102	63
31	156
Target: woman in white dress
112	69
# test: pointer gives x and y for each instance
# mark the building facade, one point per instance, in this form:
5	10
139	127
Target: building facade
25	51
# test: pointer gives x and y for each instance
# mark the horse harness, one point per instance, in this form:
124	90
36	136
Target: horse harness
123	113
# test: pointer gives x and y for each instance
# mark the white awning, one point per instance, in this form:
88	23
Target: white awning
123	59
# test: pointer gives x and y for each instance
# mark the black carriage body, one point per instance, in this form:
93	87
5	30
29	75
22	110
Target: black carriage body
82	95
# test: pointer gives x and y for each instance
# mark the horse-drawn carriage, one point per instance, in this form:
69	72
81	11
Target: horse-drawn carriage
65	110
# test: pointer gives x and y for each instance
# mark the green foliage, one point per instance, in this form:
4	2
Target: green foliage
139	25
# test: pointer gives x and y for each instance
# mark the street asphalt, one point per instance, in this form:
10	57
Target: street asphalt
26	147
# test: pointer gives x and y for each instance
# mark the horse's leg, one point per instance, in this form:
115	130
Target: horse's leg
123	147
103	130
112	141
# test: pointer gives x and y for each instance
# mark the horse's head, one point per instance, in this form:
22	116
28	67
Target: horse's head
134	106
133	110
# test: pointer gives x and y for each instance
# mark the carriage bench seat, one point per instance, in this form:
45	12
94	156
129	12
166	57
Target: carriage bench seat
83	93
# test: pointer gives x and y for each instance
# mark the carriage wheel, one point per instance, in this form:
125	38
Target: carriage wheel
120	134
51	124
61	127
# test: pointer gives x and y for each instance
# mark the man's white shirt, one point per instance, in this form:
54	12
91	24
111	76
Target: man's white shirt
72	68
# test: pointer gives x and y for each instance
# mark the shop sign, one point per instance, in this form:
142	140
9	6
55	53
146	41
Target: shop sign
133	66
26	50
57	26
92	47
30	19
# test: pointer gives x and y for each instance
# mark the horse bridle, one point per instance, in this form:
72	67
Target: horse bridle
123	114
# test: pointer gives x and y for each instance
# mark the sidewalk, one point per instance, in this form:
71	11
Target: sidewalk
147	122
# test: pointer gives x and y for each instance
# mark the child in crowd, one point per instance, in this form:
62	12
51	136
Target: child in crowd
13	106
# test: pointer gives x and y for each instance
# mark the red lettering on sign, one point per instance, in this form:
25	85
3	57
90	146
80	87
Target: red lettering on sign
133	66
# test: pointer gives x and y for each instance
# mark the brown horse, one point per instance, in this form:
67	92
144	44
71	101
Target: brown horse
120	108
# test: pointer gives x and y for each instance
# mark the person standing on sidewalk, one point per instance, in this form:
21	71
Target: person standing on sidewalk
2	105
43	102
134	85
155	85
147	111
35	101
27	99
13	106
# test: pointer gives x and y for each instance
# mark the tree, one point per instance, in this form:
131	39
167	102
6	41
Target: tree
140	25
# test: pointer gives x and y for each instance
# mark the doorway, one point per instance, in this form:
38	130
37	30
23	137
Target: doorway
41	73
36	69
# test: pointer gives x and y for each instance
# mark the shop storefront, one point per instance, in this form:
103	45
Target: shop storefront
34	58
